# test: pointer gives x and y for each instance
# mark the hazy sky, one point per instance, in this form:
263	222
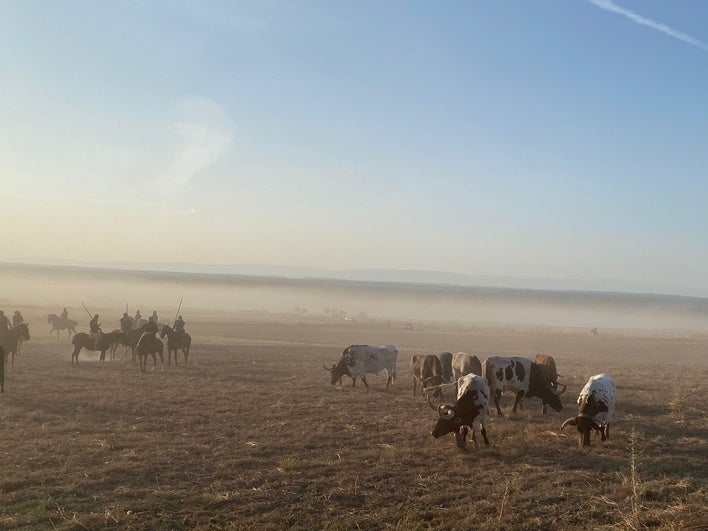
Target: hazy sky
547	138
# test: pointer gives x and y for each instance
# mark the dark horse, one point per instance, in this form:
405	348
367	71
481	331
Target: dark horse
60	324
175	341
12	339
149	345
83	340
128	339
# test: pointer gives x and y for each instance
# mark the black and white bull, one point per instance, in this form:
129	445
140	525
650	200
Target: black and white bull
427	370
464	364
596	405
446	362
357	360
521	375
470	411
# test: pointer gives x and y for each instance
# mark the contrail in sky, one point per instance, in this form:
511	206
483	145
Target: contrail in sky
610	6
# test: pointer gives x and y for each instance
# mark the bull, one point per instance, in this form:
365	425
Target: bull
521	375
547	366
427	370
446	362
464	364
357	360
596	405
470	411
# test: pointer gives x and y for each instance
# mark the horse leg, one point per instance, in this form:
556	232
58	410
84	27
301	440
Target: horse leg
75	355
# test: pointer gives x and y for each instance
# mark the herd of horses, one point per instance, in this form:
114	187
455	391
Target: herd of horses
150	345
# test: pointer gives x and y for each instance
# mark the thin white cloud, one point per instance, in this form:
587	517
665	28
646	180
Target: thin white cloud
204	135
611	7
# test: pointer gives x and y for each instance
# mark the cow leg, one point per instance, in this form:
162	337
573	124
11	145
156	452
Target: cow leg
607	430
543	408
414	386
461	437
484	435
497	396
519	396
363	379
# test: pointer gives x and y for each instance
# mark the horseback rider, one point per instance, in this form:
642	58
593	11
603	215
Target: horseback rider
95	327
138	317
64	315
179	328
154	316
17	319
148	329
4	325
126	323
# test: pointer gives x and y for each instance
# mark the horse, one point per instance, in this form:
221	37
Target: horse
150	345
83	340
11	340
61	324
175	342
2	369
128	339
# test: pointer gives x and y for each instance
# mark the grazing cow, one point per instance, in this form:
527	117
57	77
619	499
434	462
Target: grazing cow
470	411
464	364
547	366
446	362
596	405
426	369
357	360
520	375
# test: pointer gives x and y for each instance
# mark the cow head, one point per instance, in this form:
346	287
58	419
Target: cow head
338	370
452	418
585	425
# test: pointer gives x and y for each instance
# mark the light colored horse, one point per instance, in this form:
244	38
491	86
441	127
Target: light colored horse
61	324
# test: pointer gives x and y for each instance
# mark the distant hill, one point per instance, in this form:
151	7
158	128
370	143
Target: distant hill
404	276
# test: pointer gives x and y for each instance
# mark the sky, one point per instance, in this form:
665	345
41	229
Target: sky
545	139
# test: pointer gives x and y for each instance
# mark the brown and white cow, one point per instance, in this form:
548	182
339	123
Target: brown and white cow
427	370
521	375
470	411
596	405
357	360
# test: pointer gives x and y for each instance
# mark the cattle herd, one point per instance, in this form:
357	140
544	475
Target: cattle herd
477	383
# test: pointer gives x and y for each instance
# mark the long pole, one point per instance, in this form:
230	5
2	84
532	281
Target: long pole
178	309
88	312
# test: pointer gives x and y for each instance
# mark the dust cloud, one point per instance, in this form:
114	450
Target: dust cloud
44	290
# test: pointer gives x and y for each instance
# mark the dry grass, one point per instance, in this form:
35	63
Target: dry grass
251	435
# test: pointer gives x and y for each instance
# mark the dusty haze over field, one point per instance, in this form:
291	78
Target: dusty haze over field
48	289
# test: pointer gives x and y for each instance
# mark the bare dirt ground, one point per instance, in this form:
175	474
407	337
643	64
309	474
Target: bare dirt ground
250	434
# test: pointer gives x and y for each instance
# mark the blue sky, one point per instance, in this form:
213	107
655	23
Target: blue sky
544	139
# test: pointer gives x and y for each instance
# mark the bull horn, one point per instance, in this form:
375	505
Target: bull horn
563	391
325	367
445	412
556	391
570	421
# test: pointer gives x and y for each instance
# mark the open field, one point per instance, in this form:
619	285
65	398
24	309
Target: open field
250	434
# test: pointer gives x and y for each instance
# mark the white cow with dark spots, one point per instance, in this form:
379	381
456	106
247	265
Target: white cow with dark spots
357	360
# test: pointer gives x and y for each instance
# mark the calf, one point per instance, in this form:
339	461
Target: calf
470	411
596	405
357	360
521	375
426	369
